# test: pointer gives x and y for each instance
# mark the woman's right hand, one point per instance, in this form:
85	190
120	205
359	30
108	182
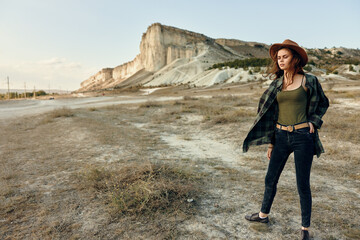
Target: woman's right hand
269	151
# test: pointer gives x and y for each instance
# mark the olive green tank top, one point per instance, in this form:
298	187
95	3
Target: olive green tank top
292	106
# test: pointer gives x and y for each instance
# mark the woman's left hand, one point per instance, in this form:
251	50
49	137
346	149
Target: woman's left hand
312	129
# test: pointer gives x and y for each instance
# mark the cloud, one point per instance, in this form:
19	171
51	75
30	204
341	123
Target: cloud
52	61
59	63
56	71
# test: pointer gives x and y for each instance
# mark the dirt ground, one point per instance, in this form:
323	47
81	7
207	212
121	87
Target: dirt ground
44	159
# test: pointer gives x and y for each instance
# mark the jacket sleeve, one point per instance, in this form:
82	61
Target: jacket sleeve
262	100
320	103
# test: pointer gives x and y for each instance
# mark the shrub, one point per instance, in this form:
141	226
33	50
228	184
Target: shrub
189	98
150	104
62	112
311	62
144	189
258	46
351	68
244	63
308	68
257	69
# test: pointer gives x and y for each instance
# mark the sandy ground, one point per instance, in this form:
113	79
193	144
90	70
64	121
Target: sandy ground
40	158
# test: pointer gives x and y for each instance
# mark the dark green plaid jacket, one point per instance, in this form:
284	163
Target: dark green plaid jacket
262	131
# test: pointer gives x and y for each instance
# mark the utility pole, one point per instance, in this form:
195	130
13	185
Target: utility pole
8	88
25	90
34	93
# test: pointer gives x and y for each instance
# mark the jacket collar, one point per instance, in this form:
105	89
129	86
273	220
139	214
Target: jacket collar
279	83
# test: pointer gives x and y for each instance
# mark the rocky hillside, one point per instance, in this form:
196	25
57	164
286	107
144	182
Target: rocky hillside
171	56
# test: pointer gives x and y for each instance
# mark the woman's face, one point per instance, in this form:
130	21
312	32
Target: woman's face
284	57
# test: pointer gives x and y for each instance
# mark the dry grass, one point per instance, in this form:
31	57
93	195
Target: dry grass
354	94
112	173
57	113
62	112
150	104
335	96
215	110
343	127
187	98
239	115
145	189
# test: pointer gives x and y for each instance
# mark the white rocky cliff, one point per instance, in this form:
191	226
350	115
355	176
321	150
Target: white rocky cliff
161	46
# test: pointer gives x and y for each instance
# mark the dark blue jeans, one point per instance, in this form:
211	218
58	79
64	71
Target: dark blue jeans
301	142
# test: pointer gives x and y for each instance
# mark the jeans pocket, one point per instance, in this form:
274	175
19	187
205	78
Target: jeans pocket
305	130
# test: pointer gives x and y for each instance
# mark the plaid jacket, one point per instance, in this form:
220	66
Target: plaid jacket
262	131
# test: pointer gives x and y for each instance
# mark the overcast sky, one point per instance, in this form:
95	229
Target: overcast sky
60	43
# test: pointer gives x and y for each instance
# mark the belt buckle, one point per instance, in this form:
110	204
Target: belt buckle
291	128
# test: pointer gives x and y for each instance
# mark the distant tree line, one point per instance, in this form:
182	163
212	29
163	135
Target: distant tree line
14	95
244	63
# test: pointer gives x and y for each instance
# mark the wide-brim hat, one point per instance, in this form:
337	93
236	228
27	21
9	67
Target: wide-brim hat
289	44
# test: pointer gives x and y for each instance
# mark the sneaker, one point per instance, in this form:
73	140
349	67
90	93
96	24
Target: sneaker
255	218
305	235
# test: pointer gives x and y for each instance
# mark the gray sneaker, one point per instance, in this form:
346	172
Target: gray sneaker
255	218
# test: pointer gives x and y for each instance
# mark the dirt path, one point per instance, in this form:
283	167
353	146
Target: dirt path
21	108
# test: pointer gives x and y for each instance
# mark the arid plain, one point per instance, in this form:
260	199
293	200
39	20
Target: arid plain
168	165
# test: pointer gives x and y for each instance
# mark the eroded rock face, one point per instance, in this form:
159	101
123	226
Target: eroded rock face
127	69
96	81
159	46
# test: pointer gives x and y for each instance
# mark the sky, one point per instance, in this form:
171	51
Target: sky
57	44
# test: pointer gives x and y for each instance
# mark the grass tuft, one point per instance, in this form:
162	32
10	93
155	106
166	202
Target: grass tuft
62	112
186	98
144	189
150	104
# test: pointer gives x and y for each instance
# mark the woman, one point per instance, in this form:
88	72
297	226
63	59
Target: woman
289	115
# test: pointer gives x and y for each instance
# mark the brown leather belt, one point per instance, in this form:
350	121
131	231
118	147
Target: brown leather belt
291	128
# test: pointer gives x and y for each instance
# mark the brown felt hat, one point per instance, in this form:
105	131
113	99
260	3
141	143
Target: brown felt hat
289	44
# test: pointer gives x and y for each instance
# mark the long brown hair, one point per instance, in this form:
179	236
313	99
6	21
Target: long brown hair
295	67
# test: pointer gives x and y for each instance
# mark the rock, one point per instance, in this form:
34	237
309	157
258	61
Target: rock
162	46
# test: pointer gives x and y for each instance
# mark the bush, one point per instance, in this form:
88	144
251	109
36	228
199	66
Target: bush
257	69
244	63
144	189
150	104
311	62
308	68
189	98
258	46
62	112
